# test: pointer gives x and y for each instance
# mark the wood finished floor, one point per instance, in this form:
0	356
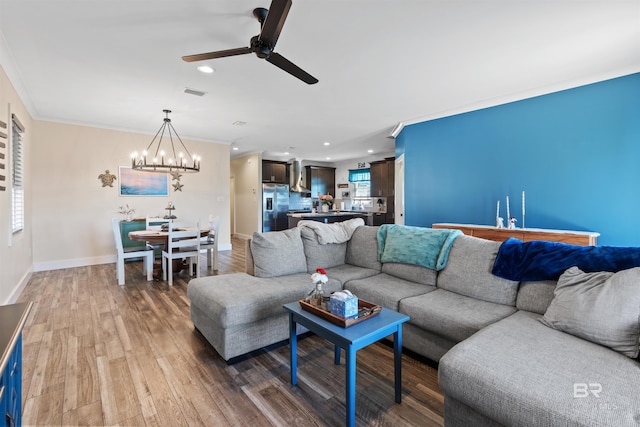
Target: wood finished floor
95	353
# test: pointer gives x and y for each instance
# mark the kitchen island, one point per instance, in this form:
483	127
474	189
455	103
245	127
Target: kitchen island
329	217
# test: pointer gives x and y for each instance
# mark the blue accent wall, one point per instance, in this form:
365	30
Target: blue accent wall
576	154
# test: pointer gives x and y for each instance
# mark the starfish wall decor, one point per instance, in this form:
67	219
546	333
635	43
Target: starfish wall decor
175	176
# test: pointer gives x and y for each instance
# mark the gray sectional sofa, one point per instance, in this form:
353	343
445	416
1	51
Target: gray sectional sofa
498	363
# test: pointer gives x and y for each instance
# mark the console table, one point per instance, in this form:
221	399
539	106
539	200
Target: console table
583	238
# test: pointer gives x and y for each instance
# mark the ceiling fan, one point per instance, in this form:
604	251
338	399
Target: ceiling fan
271	23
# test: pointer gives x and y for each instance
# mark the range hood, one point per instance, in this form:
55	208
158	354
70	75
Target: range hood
296	178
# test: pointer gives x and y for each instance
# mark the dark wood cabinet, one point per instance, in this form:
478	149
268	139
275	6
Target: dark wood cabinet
383	185
320	180
379	178
383	178
379	218
275	172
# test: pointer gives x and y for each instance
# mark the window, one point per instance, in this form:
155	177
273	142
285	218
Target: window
17	175
361	179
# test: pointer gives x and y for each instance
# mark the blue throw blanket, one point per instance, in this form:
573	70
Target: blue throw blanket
426	247
541	260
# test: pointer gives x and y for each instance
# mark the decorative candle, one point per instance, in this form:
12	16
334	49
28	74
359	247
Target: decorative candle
523	203
508	212
498	210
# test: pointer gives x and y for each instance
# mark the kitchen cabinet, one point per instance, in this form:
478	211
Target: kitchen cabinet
12	318
379	178
320	180
383	185
583	238
275	172
379	218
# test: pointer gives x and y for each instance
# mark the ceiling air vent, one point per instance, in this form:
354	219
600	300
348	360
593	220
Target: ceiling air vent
194	92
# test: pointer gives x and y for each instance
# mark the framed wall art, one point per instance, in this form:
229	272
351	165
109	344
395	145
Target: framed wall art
137	183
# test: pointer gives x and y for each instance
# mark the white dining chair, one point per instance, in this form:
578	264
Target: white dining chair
181	244
156	223
126	253
210	243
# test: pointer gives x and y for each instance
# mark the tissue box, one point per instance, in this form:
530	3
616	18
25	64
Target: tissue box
343	308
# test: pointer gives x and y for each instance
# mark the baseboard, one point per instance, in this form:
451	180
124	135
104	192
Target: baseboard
84	262
13	297
71	263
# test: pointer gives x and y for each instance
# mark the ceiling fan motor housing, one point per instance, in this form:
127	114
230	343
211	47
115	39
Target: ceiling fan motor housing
262	49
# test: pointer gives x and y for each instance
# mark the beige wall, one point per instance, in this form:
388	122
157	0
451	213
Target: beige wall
246	172
15	249
72	211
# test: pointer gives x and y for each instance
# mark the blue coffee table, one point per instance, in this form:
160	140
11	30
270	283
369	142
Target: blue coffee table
350	339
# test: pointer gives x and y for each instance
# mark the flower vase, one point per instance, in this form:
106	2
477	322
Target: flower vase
325	208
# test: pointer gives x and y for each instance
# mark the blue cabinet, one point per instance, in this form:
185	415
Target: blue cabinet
12	320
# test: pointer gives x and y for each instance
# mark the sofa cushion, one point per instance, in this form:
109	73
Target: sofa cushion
278	253
413	273
362	249
468	272
451	315
519	372
236	299
601	307
386	290
535	296
321	255
345	272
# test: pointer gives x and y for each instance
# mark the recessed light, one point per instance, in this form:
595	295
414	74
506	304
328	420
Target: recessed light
369	151
286	153
328	158
235	148
205	69
327	143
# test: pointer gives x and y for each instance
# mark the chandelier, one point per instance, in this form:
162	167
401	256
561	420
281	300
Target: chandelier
156	159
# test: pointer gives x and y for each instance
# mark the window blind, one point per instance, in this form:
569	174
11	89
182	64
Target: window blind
359	175
17	175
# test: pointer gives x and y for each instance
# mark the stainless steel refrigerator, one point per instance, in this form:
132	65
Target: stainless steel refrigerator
275	206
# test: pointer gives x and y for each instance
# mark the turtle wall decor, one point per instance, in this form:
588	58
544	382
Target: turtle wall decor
107	178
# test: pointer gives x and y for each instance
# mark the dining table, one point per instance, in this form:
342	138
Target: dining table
159	236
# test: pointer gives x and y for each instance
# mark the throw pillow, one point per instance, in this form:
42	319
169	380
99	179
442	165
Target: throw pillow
278	253
600	307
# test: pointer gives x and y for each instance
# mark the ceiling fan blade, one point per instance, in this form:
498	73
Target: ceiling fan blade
217	54
274	22
291	68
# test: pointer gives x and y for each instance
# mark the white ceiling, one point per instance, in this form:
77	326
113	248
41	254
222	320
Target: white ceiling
117	64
